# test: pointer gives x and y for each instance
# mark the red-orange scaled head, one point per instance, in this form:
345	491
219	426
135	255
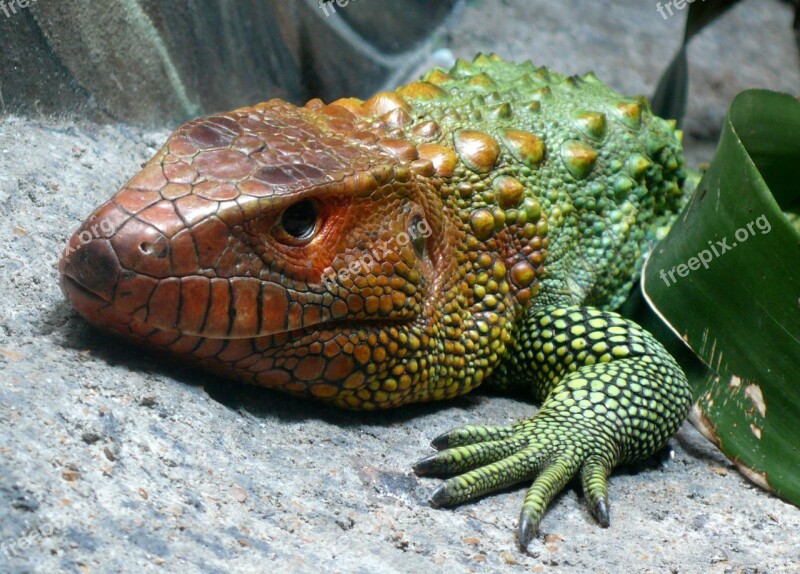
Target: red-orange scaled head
299	248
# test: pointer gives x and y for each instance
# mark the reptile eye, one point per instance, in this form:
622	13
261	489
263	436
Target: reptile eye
298	223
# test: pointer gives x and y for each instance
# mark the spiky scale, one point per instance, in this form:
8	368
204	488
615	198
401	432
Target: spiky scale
463	69
502	111
591	124
482	80
524	146
578	158
437	77
421	91
638	164
629	113
478	150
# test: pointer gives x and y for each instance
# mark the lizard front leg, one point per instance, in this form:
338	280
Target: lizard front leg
611	394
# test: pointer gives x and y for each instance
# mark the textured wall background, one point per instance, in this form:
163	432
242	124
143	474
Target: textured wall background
152	62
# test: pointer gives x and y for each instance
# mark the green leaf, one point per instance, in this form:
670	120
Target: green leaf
701	14
669	99
727	281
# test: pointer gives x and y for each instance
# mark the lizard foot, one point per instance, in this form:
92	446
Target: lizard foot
612	395
549	452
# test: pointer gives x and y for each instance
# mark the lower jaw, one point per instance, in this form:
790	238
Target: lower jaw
257	360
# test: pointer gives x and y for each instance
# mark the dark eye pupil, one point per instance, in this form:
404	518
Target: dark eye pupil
300	219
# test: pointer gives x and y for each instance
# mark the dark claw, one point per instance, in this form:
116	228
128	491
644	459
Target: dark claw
440	496
428	465
601	512
665	455
526	531
441	442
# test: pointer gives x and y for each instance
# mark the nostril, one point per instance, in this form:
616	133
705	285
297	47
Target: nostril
152	250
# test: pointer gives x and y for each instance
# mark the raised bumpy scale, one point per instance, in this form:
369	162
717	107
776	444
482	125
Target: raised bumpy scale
474	227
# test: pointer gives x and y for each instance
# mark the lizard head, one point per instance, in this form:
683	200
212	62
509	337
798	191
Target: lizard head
302	248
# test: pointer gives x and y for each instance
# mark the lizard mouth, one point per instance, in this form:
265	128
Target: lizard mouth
72	288
98	307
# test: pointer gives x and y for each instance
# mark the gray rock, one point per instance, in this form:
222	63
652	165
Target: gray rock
157	62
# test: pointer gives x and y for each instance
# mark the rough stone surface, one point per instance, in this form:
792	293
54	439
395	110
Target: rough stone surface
116	460
146	61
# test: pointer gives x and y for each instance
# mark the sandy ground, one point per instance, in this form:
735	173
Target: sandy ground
113	460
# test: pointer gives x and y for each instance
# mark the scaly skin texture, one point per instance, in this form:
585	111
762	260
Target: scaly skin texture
476	226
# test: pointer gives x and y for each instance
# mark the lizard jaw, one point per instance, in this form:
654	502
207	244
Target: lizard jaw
95	302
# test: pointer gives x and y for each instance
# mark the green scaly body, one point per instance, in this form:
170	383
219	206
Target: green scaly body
607	181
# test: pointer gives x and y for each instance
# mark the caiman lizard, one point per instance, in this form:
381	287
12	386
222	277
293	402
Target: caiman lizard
476	227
